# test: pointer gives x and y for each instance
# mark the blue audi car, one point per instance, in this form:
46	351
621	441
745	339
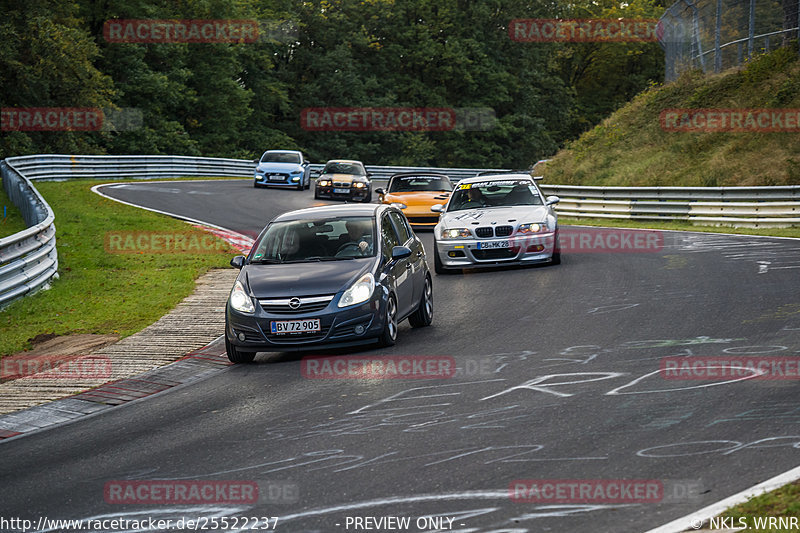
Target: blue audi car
327	277
282	168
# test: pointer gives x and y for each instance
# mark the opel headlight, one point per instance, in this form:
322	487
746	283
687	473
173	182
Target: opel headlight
359	292
240	300
456	233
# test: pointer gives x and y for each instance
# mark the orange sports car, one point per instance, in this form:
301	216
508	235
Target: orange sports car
415	193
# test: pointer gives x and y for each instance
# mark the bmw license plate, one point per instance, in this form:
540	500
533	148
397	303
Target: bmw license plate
275	177
492	245
341	191
309	325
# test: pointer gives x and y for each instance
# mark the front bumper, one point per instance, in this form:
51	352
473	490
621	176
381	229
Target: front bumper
338	327
356	194
286	180
525	249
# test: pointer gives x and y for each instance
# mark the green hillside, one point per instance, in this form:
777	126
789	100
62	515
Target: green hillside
630	148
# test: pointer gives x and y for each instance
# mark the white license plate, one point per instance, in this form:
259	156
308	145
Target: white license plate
308	325
341	191
491	245
276	178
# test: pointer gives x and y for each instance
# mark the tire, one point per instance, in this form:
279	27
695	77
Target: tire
368	198
300	186
438	267
556	259
423	316
235	356
316	195
389	335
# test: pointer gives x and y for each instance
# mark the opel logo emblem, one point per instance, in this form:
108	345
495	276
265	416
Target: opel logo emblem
294	303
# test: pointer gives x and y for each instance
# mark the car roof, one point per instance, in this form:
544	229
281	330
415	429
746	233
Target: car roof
333	211
429	174
497	177
344	161
283	152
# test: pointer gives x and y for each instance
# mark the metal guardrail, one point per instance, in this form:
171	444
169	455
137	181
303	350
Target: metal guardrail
727	206
28	259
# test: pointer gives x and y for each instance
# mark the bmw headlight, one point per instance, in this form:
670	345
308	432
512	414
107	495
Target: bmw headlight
456	233
240	300
359	184
324	183
526	229
359	292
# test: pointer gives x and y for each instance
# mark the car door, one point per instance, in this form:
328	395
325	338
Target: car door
417	259
399	271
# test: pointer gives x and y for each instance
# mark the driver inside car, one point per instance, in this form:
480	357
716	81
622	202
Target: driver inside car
475	198
358	241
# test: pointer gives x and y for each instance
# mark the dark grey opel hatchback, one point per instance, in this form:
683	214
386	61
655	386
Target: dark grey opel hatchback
328	277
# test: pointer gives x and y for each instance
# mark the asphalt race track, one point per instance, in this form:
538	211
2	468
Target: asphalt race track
558	380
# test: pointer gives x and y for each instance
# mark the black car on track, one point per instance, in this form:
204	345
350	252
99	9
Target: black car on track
328	277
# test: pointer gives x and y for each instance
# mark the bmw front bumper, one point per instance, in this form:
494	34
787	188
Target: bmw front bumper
471	253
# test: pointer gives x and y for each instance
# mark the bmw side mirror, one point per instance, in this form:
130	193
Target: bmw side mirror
238	262
550	200
437	208
400	252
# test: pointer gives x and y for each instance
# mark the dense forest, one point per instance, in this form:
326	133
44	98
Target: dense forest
237	99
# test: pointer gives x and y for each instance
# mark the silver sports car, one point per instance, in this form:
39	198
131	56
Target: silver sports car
493	220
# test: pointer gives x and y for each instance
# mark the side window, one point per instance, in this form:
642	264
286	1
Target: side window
403	231
388	237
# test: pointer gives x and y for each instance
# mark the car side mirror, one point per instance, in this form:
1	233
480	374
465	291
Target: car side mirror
238	262
256	161
400	252
380	190
550	200
437	208
306	163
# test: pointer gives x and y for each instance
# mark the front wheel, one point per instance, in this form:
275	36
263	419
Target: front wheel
236	356
423	316
368	198
556	258
389	335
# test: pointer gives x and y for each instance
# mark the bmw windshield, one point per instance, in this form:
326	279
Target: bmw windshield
494	193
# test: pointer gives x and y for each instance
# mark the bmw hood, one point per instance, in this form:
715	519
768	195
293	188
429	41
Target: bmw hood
279	167
316	278
516	215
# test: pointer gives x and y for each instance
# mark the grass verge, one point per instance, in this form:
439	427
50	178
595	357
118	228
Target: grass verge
101	292
677	226
782	502
11	220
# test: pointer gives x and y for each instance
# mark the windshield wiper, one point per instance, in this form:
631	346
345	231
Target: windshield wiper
266	261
